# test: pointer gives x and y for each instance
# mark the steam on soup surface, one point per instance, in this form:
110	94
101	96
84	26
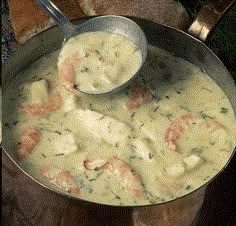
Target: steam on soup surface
166	135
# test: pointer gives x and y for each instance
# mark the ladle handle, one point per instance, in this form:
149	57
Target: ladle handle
67	27
208	16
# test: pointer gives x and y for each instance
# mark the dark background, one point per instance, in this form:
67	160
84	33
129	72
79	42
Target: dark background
220	203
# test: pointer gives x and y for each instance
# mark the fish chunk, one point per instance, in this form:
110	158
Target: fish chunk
70	103
103	127
192	161
176	170
65	144
142	149
39	92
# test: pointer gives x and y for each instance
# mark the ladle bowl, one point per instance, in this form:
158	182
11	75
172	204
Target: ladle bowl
109	23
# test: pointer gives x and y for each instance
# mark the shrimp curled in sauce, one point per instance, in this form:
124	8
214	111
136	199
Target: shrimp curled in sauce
62	179
29	140
53	104
139	95
121	171
177	128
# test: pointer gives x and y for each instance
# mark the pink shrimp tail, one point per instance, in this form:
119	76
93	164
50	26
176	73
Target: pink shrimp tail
67	73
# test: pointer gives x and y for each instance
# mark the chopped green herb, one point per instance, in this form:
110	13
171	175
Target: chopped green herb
117	197
156	108
116	54
212	143
109	128
93	179
60	154
150	155
102	117
206	178
90	190
224	110
184	108
204	115
133	114
169	115
204	88
44	155
188	187
133	147
86	54
90	106
132	157
196	151
57	132
97	51
85	69
96	168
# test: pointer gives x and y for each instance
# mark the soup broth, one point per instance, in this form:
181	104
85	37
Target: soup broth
166	135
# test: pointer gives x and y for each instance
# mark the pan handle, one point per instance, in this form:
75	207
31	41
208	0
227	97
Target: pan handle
208	17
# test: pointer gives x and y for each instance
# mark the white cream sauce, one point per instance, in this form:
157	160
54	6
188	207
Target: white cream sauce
100	127
102	60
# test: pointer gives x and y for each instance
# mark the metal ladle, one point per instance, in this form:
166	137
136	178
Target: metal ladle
110	23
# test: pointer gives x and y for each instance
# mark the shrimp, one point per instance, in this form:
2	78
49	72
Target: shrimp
139	95
29	140
67	73
54	103
62	179
177	128
121	171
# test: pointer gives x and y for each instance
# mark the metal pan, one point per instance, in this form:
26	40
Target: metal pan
180	43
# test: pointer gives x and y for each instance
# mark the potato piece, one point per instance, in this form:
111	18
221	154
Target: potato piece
39	92
192	161
176	170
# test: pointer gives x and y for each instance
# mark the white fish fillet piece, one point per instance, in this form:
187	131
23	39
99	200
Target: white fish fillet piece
103	127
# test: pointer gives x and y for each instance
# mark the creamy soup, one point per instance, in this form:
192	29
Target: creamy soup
166	135
98	61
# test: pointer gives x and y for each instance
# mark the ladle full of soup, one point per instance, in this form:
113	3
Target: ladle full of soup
101	55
